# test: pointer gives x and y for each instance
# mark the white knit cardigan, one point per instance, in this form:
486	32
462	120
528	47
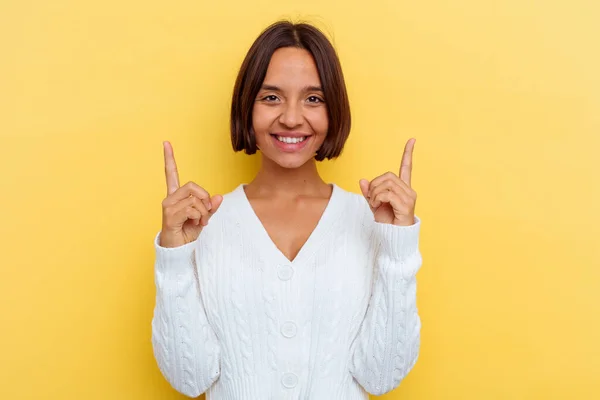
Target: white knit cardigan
236	319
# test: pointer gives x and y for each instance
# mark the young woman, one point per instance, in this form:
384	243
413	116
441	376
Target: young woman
297	289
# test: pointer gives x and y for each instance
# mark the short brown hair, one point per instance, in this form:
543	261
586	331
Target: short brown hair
254	69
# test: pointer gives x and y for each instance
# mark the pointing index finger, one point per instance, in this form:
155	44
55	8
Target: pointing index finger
406	166
170	169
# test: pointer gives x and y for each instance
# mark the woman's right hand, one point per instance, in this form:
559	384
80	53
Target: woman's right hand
186	209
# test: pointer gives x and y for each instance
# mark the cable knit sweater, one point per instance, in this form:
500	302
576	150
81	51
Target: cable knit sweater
236	319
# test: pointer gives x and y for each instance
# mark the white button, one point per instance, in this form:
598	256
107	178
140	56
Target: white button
285	272
288	329
289	380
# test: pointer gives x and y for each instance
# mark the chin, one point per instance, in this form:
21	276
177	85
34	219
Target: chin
290	161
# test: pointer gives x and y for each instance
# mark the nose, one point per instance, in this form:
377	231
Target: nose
291	115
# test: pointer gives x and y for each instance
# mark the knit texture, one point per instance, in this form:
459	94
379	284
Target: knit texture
236	319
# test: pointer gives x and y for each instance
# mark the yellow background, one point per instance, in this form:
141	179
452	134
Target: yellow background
503	98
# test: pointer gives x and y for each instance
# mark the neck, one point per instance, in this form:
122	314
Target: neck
273	178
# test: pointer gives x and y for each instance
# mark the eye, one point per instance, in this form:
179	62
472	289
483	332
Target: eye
270	98
315	100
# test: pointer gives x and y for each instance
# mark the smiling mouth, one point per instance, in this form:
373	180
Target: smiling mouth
291	144
290	140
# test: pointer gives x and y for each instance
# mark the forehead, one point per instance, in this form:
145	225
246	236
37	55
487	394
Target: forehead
291	66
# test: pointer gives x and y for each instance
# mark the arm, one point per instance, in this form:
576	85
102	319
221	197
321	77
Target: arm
185	346
387	345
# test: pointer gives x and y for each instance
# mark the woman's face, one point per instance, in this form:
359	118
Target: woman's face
289	116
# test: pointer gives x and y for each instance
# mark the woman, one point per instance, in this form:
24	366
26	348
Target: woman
297	289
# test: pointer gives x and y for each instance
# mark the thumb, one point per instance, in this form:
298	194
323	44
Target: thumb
215	202
364	187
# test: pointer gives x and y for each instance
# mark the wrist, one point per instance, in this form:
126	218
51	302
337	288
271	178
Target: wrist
169	240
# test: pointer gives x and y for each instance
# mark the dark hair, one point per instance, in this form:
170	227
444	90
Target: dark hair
254	69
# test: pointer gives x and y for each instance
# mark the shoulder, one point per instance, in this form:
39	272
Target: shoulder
353	204
217	234
232	199
231	204
227	213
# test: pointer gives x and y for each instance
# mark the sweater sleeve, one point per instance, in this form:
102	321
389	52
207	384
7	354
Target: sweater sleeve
184	344
387	344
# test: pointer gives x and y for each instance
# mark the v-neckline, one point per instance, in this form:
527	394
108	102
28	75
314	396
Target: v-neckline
256	227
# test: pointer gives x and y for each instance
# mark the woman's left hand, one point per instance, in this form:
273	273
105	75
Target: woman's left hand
390	196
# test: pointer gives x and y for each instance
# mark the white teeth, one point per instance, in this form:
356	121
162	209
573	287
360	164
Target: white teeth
290	139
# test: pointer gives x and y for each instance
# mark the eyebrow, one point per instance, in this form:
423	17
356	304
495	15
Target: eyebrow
305	89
